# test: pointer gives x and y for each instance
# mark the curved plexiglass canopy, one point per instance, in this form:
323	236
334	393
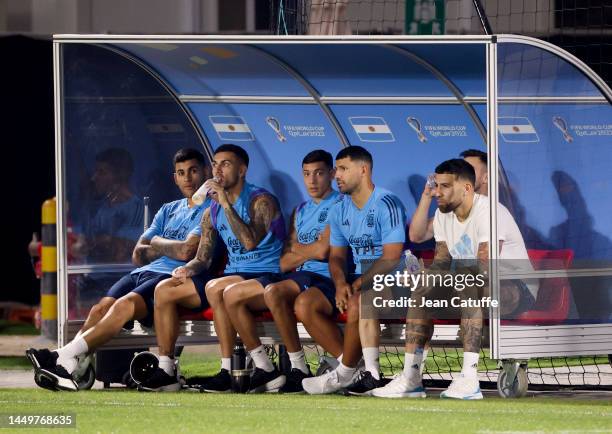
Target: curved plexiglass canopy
412	102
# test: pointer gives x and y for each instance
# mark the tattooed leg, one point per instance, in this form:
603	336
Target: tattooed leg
418	334
471	329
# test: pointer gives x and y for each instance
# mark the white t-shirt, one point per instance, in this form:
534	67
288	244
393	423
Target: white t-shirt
463	238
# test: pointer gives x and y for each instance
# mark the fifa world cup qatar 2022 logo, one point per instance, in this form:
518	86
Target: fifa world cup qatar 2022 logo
415	124
560	123
276	126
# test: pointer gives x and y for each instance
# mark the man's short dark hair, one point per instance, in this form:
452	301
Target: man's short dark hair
240	153
187	154
119	159
458	167
356	153
319	155
482	156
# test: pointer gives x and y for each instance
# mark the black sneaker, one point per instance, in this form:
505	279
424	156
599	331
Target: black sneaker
262	381
365	384
294	381
47	373
219	383
42	358
55	378
160	381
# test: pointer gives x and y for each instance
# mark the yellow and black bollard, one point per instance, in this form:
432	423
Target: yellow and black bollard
48	281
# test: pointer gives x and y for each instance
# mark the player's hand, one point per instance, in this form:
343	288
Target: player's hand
182	273
356	286
216	192
430	185
343	293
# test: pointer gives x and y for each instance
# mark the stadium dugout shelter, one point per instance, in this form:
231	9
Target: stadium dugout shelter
541	114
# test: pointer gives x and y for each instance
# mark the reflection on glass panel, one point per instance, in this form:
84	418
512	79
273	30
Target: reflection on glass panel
354	70
112	219
563	300
121	130
85	290
209	69
530	71
557	157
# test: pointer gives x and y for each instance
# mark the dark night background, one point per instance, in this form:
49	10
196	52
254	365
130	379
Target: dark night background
28	159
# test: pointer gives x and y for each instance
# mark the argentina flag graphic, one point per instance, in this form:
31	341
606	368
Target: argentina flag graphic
371	129
517	130
231	128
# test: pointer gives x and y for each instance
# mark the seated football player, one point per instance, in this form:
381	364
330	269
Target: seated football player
249	221
306	251
371	220
169	242
461	230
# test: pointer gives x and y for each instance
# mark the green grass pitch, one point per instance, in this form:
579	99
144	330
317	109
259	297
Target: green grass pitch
123	411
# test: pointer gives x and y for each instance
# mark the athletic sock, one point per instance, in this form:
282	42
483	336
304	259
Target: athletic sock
68	353
470	364
226	363
425	351
167	364
345	374
412	364
261	359
372	364
298	361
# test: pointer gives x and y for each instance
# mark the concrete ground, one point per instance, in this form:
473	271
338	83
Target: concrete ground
17	345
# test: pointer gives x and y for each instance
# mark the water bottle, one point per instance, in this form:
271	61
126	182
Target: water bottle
239	357
412	263
240	375
200	195
431	181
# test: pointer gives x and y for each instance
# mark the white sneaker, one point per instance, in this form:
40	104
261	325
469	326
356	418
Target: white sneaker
463	388
83	362
324	384
328	363
401	387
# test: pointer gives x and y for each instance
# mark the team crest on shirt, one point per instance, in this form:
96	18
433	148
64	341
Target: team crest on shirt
345	222
370	219
323	216
222	227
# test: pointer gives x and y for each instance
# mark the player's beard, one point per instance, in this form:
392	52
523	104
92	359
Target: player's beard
448	207
347	188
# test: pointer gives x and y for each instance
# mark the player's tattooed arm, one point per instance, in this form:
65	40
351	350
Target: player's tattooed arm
442	258
206	247
263	211
144	253
175	249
